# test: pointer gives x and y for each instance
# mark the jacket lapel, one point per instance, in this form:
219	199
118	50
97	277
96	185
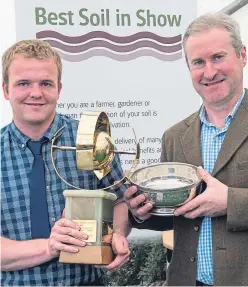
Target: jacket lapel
236	134
190	140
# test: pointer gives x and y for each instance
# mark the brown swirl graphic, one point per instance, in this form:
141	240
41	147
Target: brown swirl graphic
119	48
121	58
110	46
107	36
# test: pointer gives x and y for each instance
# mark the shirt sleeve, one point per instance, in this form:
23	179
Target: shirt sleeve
116	174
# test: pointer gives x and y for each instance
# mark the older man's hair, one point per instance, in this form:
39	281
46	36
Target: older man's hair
37	49
215	20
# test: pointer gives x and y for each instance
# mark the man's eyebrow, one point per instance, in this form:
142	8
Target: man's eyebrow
22	80
219	53
19	81
47	80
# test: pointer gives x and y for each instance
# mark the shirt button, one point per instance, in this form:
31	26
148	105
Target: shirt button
47	188
196	228
23	145
53	219
192	258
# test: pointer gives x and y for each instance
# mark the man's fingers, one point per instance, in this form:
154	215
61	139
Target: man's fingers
64	222
120	244
68	240
135	202
202	210
128	194
184	209
121	248
58	246
191	195
68	227
70	232
119	261
191	205
143	212
204	175
66	233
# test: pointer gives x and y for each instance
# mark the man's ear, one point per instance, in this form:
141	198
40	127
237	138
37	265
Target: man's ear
59	88
243	55
5	90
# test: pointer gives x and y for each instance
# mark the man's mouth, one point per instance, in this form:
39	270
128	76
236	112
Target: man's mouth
34	104
213	83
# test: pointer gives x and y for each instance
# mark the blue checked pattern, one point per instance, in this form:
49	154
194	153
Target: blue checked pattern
16	164
211	141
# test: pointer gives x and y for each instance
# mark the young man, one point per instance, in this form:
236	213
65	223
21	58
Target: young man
30	248
211	230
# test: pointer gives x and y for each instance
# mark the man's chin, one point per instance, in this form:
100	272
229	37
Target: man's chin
36	121
215	96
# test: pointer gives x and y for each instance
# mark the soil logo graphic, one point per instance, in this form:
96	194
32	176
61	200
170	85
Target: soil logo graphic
119	48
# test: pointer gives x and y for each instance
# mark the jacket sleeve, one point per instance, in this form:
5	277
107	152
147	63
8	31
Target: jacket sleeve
157	223
237	209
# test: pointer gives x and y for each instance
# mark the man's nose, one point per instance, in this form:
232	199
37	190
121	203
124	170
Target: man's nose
210	71
35	91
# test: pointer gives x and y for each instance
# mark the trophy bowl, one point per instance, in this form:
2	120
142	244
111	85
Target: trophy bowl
167	185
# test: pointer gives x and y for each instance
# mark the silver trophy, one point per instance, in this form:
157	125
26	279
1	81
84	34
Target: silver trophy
167	185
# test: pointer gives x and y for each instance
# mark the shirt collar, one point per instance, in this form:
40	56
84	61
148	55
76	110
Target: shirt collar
230	116
17	135
54	127
22	139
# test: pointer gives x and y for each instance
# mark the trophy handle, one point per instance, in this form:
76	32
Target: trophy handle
124	180
53	148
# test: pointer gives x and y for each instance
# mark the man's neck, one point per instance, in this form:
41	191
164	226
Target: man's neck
216	115
35	132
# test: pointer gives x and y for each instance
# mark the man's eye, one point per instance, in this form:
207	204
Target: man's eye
46	84
23	84
217	58
198	63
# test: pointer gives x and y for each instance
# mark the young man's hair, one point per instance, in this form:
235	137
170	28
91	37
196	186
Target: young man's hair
37	49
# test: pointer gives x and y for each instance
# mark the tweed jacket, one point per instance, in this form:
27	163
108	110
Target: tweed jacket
181	143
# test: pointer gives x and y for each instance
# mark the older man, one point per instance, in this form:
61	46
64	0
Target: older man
211	230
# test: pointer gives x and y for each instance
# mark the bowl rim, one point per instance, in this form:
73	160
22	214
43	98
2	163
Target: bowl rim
166	163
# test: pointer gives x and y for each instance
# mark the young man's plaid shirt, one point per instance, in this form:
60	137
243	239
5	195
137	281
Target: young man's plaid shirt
16	164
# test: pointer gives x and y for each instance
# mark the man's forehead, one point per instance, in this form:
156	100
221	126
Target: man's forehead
32	69
20	64
207	42
27	59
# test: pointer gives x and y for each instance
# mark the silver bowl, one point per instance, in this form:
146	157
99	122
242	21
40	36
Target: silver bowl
167	185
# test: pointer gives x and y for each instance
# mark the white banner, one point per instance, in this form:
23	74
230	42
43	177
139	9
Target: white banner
122	57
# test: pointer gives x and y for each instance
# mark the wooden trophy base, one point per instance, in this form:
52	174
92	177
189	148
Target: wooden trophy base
88	255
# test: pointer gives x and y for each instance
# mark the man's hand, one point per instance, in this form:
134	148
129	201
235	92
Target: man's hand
212	202
133	203
120	248
65	232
